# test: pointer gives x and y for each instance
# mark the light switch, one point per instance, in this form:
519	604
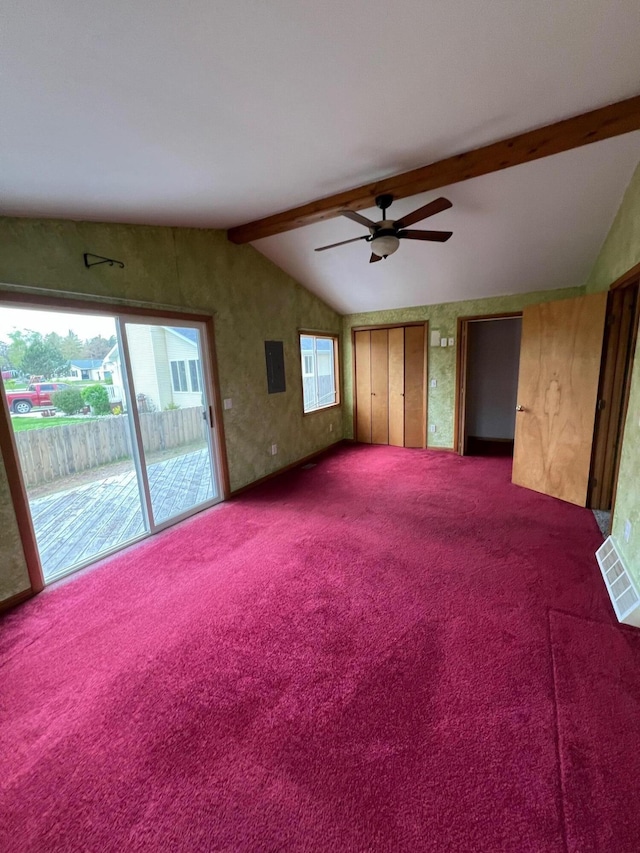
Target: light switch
434	383
228	403
627	530
451	341
443	342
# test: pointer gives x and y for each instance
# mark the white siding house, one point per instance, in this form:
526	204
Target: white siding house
165	364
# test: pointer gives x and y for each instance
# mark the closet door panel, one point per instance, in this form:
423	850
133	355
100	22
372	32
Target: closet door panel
396	387
414	387
363	386
380	386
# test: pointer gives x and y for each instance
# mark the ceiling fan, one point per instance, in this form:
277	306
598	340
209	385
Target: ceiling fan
385	235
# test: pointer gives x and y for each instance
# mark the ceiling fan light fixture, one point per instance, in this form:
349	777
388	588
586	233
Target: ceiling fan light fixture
384	245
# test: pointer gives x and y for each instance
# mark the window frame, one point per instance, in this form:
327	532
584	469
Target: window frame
194	371
177	362
335	339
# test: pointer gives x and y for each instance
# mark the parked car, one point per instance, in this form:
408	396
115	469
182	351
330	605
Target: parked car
35	395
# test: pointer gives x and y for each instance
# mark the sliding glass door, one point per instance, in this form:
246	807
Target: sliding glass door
174	416
113	427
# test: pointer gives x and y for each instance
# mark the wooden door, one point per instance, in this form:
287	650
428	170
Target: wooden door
363	386
380	386
560	359
396	387
414	387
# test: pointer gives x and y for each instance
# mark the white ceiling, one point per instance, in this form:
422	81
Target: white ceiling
214	113
538	226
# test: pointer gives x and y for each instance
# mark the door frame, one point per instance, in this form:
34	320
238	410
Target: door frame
354	329
462	353
8	445
608	438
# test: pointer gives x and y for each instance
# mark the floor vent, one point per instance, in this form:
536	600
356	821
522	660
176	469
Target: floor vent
620	586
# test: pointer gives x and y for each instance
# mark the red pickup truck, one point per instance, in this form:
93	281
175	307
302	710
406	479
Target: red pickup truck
35	395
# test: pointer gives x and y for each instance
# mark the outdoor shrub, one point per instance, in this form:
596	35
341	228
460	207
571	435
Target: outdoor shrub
171	407
69	401
97	397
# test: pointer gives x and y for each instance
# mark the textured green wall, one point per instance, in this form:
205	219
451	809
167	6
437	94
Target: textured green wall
442	360
621	252
250	298
621	248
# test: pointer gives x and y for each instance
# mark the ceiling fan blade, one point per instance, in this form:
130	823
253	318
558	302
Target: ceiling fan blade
374	258
343	243
430	209
435	236
357	217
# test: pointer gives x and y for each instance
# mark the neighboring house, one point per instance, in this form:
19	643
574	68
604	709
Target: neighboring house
165	364
88	369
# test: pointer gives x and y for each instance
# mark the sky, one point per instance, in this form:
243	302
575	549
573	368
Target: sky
84	325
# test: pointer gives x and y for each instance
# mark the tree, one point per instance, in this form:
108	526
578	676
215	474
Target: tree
5	361
43	357
98	346
71	345
18	347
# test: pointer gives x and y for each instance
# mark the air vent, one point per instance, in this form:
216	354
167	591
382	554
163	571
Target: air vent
620	586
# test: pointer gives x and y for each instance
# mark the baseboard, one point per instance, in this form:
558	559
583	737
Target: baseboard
443	449
8	603
288	467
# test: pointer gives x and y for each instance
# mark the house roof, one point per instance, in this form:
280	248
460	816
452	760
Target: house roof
327	97
86	363
185	332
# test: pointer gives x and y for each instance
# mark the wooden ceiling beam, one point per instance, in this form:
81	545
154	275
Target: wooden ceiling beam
604	123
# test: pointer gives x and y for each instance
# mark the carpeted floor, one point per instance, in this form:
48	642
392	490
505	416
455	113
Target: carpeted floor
394	650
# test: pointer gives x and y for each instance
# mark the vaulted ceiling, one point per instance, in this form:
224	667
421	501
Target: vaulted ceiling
214	113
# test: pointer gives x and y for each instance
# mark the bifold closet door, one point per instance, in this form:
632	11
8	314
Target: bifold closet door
414	387
390	386
363	386
396	387
379	386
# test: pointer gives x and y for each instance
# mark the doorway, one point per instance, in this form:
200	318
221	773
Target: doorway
488	361
111	424
621	332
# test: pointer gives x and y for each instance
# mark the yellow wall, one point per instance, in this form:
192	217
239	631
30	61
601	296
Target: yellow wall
250	299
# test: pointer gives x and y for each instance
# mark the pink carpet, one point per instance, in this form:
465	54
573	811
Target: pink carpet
392	651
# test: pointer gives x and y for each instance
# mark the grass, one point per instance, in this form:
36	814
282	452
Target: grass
20	424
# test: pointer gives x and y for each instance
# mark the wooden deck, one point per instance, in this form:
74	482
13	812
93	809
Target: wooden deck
73	526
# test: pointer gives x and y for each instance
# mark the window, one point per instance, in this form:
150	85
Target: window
179	376
194	374
319	356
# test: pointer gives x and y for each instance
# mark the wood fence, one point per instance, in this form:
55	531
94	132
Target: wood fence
53	453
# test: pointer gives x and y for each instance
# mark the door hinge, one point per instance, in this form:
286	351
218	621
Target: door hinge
601	404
